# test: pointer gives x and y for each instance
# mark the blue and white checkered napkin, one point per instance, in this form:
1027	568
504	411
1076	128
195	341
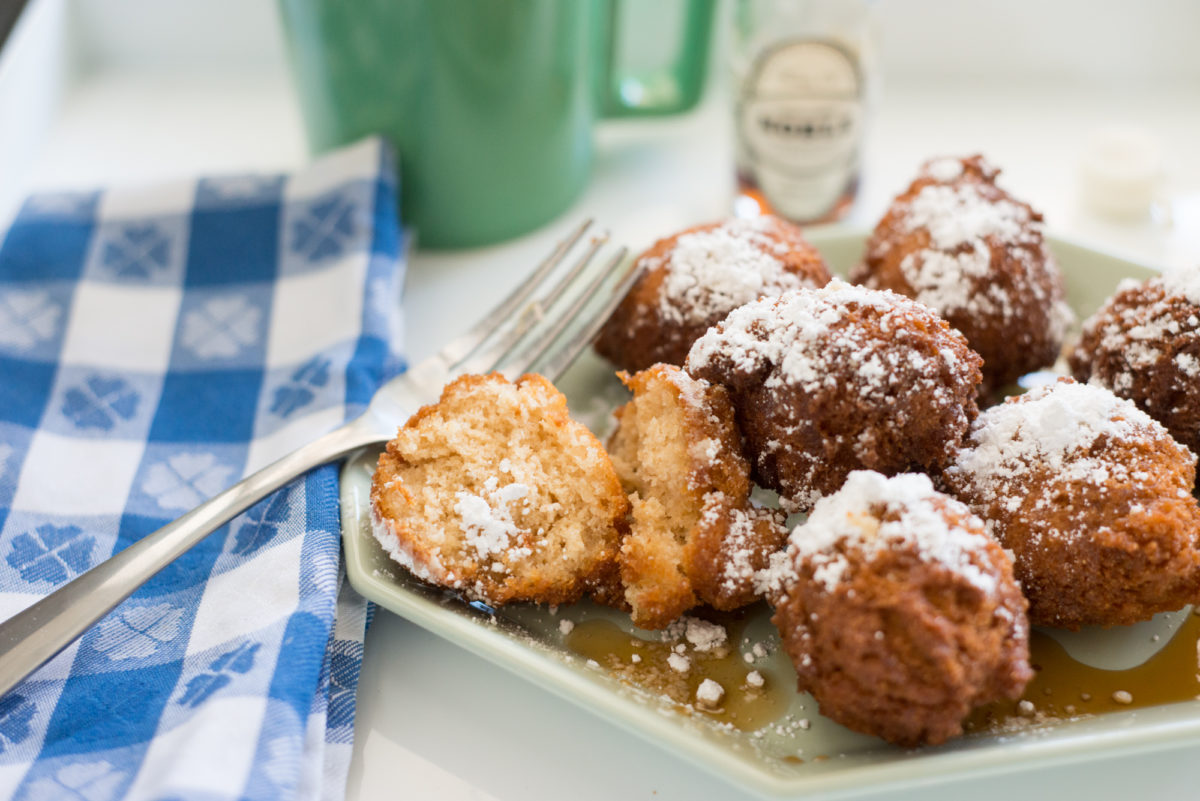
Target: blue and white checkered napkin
155	345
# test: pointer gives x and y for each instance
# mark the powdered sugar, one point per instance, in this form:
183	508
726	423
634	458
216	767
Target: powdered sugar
703	635
872	514
1048	431
938	279
944	169
679	663
1142	332
961	214
803	333
709	693
964	224
740	549
713	271
1142	326
804	340
428	569
1184	282
779	573
487	520
1188	364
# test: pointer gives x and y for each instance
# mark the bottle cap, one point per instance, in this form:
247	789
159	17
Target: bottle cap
1121	172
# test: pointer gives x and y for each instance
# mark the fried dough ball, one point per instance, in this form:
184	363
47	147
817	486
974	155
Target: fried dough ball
974	254
1144	345
496	492
694	537
830	380
1093	498
691	280
898	610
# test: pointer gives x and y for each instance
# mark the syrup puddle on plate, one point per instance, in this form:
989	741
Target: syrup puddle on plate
641	658
1064	688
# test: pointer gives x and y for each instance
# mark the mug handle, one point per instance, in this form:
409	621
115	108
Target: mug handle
671	91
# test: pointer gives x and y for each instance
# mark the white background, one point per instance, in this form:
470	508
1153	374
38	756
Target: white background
118	91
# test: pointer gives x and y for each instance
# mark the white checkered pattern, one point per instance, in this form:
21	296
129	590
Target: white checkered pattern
156	343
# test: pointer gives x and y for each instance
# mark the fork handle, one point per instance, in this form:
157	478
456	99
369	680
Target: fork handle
32	637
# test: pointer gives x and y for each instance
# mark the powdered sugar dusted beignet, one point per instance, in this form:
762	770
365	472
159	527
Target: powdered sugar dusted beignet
840	378
690	281
967	249
496	492
694	537
1092	496
898	610
1144	345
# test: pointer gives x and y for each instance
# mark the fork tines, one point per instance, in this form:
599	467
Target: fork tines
546	334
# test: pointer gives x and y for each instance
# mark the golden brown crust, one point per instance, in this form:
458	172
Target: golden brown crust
727	547
496	492
903	647
880	383
1007	298
1109	538
1144	345
604	587
656	590
654	324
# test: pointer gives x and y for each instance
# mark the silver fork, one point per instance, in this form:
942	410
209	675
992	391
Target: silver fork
517	336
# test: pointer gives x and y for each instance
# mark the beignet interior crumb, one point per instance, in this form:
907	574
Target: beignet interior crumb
495	491
649	451
678	453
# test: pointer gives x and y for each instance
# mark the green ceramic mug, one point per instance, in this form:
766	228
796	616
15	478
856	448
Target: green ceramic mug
490	103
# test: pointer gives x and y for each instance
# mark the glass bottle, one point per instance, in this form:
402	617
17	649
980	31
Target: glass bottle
804	75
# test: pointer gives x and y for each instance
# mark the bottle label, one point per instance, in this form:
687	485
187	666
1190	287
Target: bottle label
800	125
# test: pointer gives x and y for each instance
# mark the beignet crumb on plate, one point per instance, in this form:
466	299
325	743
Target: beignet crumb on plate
496	492
694	538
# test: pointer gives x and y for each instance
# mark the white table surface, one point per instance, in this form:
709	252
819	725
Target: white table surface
435	721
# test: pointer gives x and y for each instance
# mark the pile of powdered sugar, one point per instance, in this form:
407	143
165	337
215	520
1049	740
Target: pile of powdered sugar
1048	431
689	636
964	224
960	214
715	270
1184	282
487	519
805	339
945	169
850	526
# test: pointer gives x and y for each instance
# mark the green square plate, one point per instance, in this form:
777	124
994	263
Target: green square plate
781	758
